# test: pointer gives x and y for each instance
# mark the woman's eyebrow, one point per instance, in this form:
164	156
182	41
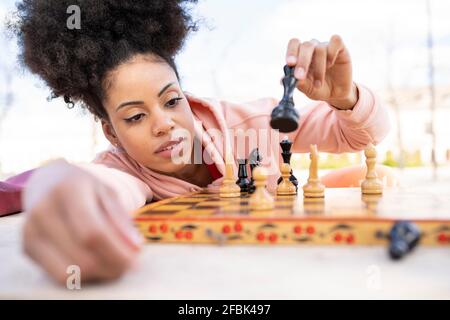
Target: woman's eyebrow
124	104
165	88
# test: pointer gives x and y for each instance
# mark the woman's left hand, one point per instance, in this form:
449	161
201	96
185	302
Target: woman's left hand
324	71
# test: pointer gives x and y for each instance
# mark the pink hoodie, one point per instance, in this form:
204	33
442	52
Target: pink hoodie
217	124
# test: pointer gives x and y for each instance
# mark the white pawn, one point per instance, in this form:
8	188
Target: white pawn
286	187
229	188
313	188
261	198
372	185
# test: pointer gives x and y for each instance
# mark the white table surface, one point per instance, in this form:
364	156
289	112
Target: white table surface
240	272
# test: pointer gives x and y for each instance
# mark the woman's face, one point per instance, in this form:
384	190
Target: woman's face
149	115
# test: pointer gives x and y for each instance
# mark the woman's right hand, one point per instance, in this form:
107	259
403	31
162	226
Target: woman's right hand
81	221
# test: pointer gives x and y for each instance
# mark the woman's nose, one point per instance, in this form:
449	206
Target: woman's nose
163	124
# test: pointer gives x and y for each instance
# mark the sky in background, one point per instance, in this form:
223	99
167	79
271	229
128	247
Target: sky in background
237	55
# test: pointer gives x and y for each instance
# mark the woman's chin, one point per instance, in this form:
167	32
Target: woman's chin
169	168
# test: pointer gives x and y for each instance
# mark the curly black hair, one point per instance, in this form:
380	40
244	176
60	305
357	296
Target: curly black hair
75	62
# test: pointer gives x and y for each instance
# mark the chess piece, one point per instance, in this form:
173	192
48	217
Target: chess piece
285	117
254	160
243	182
286	187
229	189
371	185
286	153
261	198
404	237
313	188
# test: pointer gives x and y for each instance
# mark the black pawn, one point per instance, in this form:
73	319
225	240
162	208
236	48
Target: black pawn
243	182
285	117
286	153
404	237
254	161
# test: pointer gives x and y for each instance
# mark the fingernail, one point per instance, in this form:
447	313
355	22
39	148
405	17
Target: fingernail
300	73
317	83
291	60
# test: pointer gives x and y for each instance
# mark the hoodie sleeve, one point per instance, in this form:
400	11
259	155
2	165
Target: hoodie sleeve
132	192
335	130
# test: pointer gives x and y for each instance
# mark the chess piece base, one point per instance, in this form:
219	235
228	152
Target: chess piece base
285	120
230	191
372	187
244	185
314	194
314	189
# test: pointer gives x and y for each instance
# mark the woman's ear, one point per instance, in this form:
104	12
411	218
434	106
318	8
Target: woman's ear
109	133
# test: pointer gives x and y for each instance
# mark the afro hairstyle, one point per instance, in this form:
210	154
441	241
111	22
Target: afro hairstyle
74	63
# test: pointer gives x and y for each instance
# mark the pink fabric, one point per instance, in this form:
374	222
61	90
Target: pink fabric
11	192
331	129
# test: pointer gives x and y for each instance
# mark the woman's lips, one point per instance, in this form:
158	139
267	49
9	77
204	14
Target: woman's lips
168	144
166	149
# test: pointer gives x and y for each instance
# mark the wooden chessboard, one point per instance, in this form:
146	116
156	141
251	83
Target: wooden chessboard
343	217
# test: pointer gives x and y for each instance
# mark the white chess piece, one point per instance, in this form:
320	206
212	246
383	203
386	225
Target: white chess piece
261	198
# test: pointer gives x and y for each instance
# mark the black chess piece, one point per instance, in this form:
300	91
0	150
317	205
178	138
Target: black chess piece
404	237
284	116
254	161
286	153
243	182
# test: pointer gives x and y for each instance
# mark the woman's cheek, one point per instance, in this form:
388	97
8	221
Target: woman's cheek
137	143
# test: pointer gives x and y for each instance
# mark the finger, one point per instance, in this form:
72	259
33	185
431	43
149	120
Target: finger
94	232
318	65
335	46
44	253
306	86
292	52
119	218
53	227
305	55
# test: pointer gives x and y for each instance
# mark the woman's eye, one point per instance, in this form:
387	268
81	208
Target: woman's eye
135	118
173	102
